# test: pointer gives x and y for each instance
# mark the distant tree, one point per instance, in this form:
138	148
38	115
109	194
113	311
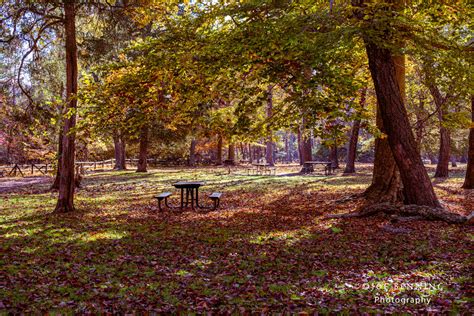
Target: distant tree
469	179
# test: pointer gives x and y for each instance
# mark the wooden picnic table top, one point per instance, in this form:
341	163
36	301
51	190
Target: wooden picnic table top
188	184
318	162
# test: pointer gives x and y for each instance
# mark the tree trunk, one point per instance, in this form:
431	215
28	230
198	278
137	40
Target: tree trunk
143	150
231	153
300	147
219	150
442	169
55	185
242	151
306	148
119	152
469	179
192	152
65	201
416	182
420	124
269	151
386	183
123	154
334	156
352	148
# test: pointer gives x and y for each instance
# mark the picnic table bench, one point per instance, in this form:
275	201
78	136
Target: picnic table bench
308	166
192	196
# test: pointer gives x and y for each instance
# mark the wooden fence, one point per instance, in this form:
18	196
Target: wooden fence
17	169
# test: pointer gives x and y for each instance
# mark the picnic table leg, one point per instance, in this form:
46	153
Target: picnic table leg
189	195
197	198
192	198
182	198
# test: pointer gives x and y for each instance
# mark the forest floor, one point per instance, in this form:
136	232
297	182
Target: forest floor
266	249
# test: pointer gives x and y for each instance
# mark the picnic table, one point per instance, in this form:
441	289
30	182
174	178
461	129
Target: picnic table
308	166
191	189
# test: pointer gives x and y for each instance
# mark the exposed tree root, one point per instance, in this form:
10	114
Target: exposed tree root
426	212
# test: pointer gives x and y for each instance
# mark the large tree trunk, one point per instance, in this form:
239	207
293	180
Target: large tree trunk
269	150
192	152
65	201
469	180
119	152
143	150
386	183
219	150
416	182
352	148
55	185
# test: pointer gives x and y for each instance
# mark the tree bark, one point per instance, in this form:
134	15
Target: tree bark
442	169
65	201
420	122
306	148
231	153
300	146
386	183
143	150
469	179
242	151
219	150
352	148
269	150
192	152
416	182
334	155
55	185
119	152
